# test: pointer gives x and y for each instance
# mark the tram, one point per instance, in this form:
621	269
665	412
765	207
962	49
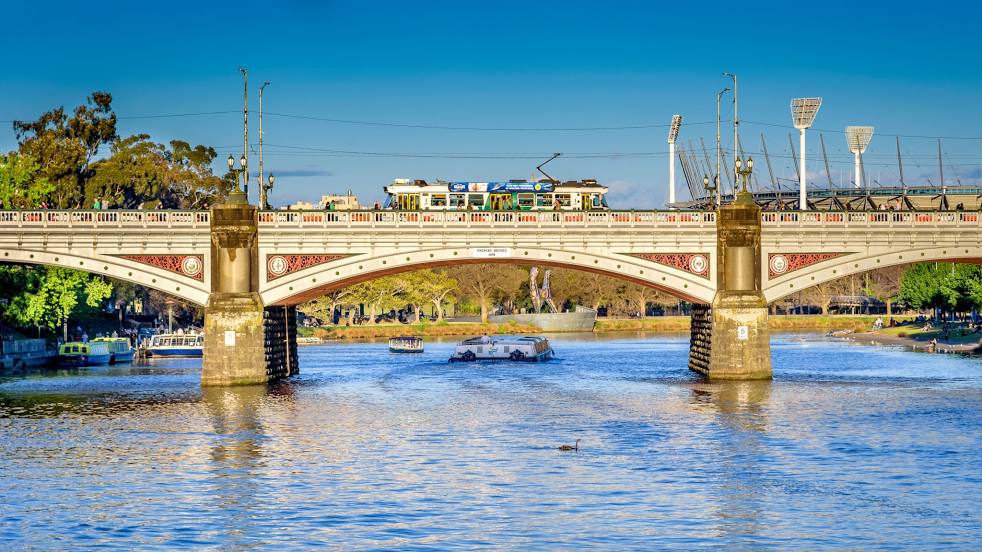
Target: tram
513	195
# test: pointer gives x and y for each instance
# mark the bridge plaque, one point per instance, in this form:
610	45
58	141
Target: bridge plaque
491	252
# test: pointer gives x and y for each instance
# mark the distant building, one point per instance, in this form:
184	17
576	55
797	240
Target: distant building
342	202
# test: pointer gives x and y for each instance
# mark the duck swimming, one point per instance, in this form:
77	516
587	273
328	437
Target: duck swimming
575	446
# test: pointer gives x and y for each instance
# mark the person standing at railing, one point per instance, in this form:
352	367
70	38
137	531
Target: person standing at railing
95	204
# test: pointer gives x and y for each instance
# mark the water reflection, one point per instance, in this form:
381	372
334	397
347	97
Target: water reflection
371	450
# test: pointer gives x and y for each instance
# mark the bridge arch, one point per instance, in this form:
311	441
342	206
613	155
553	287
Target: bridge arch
847	264
119	268
308	283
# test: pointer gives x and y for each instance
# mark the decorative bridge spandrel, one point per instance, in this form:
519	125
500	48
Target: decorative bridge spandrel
305	253
165	250
802	249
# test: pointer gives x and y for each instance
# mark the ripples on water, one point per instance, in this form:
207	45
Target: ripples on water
850	447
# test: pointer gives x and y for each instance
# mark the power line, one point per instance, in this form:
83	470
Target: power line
841	131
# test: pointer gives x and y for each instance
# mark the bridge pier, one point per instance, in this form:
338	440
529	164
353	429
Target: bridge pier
730	339
245	342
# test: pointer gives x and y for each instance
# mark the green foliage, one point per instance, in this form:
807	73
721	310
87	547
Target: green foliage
945	286
64	145
52	295
21	184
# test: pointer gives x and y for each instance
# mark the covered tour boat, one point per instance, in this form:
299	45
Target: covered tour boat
406	344
120	349
176	345
522	348
76	353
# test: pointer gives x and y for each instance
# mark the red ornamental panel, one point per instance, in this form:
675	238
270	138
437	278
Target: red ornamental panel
693	263
779	264
192	266
278	266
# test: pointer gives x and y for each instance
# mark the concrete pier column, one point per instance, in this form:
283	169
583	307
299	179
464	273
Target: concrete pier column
730	339
235	338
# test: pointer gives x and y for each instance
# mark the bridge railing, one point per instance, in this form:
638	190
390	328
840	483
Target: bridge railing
45	218
870	218
483	218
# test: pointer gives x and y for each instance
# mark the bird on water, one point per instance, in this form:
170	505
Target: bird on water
575	446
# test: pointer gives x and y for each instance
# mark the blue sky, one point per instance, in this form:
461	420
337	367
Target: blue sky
905	70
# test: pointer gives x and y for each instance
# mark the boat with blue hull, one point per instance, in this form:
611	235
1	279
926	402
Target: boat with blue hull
77	353
176	345
120	350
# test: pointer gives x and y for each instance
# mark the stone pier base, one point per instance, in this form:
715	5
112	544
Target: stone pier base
731	340
235	340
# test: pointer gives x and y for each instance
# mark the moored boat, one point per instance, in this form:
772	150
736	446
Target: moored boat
406	344
176	345
76	353
120	349
522	348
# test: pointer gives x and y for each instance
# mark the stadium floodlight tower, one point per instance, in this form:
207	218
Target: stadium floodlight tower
673	134
858	138
803	111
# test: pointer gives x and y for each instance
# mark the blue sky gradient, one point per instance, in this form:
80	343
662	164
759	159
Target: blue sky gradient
903	69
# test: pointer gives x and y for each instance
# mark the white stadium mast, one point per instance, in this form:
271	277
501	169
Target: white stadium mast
858	138
803	112
673	134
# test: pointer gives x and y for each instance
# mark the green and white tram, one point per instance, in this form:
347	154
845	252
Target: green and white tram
514	195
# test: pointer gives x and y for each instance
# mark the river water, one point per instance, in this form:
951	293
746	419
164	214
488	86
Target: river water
850	447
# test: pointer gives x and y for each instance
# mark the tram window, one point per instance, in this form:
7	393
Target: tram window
477	200
438	200
563	199
595	200
543	200
457	200
526	200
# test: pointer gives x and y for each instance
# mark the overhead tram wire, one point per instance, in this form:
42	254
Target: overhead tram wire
479	129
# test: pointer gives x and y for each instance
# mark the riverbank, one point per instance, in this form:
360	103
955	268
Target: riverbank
425	329
656	324
917	339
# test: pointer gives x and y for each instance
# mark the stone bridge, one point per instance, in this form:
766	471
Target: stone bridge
281	258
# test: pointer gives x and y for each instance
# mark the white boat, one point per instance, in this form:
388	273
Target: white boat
521	348
406	344
176	345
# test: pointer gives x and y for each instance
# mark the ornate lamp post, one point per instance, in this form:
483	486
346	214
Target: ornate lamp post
744	173
268	187
237	195
711	188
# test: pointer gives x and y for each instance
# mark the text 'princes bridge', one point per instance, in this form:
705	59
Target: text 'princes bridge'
250	268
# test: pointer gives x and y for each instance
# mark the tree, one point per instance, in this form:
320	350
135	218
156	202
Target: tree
21	184
64	146
482	281
191	183
136	171
884	284
323	307
822	294
58	292
638	297
943	286
438	287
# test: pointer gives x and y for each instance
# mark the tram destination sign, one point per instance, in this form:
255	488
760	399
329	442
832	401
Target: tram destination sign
491	252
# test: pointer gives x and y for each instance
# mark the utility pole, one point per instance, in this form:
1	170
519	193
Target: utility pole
245	128
263	200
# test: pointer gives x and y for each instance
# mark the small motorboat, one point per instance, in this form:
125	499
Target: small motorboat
76	353
119	349
406	344
521	348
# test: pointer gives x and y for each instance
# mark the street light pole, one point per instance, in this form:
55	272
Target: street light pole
719	152
245	127
263	200
736	123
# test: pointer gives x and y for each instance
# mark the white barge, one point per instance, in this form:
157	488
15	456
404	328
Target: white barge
522	348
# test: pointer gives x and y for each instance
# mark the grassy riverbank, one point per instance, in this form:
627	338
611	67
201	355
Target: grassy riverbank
425	329
776	322
657	324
